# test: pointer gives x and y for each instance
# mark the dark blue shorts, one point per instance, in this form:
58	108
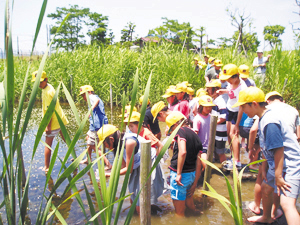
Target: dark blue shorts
231	116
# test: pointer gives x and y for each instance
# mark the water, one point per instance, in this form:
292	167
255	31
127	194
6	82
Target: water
212	211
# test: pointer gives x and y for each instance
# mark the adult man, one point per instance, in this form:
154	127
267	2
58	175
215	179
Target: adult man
213	72
259	65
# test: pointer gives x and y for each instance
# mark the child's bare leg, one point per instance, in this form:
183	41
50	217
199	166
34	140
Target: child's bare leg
267	200
255	206
222	157
62	136
179	207
203	156
106	161
47	152
235	144
276	212
288	205
189	202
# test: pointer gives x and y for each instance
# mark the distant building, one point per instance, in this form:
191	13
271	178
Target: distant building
154	39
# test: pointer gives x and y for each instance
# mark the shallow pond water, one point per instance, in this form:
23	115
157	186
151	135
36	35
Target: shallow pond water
212	211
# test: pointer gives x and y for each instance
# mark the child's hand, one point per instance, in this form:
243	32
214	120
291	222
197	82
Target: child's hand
48	130
178	180
191	191
281	185
107	174
236	130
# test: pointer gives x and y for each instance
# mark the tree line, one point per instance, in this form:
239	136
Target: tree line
83	23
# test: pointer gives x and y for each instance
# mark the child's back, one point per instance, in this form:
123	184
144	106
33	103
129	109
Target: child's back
201	125
99	118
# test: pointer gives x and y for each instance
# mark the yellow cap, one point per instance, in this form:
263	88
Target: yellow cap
202	64
190	91
85	88
211	59
213	83
34	74
244	71
105	131
181	87
228	71
250	94
168	93
201	92
272	93
156	108
196	59
218	62
135	117
186	83
127	110
172	87
206	100
207	56
142	98
174	117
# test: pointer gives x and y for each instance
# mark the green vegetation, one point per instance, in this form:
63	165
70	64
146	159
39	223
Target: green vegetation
102	66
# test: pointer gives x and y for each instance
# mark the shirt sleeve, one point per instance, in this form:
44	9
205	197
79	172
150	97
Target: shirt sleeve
273	136
196	124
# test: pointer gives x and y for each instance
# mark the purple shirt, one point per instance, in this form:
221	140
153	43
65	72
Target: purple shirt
201	124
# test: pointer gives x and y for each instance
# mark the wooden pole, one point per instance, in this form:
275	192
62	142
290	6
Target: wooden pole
210	149
145	201
111	103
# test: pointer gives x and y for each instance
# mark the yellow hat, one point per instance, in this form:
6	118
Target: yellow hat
218	62
213	83
202	64
105	131
228	71
201	92
172	87
207	56
206	100
186	83
190	91
127	110
135	117
250	94
142	98
244	71
181	87
174	117
34	74
196	59
168	93
85	88
156	108
272	93
211	59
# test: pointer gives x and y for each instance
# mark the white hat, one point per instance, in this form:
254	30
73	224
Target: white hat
260	50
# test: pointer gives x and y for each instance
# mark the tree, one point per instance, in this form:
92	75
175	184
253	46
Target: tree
225	42
160	31
127	32
201	35
97	28
70	35
250	41
272	34
179	33
111	37
239	20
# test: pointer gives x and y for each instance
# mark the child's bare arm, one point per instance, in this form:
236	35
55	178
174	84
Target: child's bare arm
181	159
279	181
95	103
222	91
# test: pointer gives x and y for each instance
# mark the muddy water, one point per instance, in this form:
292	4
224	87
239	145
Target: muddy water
212	211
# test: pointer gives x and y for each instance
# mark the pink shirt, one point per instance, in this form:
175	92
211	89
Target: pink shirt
201	124
183	107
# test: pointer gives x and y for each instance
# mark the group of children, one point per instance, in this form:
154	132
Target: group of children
241	109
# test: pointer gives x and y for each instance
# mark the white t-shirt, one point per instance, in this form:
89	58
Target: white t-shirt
233	95
257	61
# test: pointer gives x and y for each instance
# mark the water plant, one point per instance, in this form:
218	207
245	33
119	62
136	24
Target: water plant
235	193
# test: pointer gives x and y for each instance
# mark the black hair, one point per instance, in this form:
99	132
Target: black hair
118	137
234	76
274	97
186	97
261	104
200	109
164	109
175	102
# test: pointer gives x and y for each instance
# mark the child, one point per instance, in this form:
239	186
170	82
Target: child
170	97
185	168
96	121
109	135
151	124
220	111
244	75
53	127
183	98
282	152
201	123
235	85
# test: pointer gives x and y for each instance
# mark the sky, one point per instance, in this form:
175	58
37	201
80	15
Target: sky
146	15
